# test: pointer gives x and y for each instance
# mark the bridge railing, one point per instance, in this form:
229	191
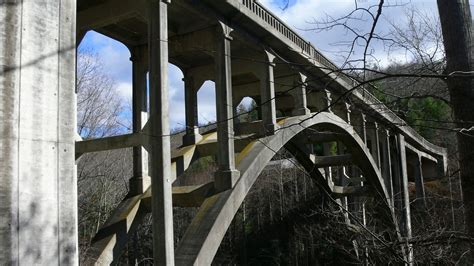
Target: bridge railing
312	52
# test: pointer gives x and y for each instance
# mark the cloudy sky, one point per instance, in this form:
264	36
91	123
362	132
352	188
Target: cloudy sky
299	14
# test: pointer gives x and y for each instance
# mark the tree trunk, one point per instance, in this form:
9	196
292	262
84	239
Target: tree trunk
456	25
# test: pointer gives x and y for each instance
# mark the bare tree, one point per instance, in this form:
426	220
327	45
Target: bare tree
102	177
99	105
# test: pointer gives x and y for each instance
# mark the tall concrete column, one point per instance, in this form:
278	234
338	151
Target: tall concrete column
328	100
328	170
38	184
396	176
406	216
226	175
299	95
140	180
348	112
267	92
387	166
159	139
191	88
363	126
419	182
374	142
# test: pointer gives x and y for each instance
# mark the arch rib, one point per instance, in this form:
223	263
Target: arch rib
205	233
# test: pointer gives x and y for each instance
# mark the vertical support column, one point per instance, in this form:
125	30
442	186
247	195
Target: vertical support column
373	137
364	127
192	135
299	95
376	144
328	100
387	166
159	140
38	184
226	175
406	216
360	201
328	169
267	99
140	180
348	112
419	183
258	99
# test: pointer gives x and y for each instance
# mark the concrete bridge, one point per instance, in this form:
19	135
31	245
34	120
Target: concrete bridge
248	52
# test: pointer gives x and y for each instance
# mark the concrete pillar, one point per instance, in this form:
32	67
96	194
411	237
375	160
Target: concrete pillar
38	185
159	139
258	99
226	175
343	181
328	170
387	166
406	216
140	180
328	100
267	92
363	125
191	88
348	112
298	92
374	142
419	183
396	176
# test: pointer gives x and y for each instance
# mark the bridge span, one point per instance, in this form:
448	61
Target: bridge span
247	51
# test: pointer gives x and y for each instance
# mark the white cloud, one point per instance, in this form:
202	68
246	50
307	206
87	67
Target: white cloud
125	90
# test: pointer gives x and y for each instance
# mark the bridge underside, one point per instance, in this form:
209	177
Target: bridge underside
247	52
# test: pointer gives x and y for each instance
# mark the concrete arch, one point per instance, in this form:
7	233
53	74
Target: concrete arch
205	233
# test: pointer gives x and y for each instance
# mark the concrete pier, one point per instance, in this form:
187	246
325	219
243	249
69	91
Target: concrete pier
38	186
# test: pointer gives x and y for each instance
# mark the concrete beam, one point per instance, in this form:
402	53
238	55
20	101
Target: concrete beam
109	13
109	143
421	153
332	160
344	191
112	237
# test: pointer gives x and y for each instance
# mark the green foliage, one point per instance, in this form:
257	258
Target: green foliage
424	115
427	115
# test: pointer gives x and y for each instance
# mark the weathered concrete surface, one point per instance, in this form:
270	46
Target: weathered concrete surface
159	139
38	211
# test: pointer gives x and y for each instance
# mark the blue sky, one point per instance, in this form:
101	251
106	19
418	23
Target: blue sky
299	14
